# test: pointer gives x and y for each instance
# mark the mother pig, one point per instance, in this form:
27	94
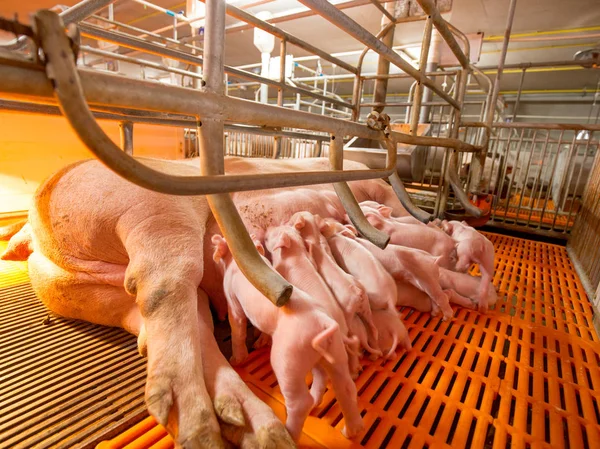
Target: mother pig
107	251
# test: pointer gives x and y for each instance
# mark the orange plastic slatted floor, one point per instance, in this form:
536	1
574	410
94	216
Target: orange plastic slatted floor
525	375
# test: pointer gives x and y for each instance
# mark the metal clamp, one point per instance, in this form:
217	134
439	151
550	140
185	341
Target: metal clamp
379	121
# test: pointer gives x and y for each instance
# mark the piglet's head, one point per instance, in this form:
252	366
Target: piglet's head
329	227
283	237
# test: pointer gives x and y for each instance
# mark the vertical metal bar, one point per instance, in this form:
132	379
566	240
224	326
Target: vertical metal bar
416	110
282	54
512	177
267	281
524	187
552	174
478	163
565	179
126	134
537	180
519	91
383	64
587	149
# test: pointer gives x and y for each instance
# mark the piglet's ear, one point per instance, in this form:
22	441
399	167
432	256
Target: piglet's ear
374	219
349	231
283	241
385	211
259	247
221	248
299	222
325	228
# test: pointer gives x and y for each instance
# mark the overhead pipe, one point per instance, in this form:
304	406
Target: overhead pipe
342	21
81	10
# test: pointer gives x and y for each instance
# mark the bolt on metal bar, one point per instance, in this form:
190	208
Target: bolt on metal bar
342	21
266	26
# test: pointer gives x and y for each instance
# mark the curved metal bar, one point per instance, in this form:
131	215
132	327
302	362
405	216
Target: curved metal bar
461	196
402	195
355	213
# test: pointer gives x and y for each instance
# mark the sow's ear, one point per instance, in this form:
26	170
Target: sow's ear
221	248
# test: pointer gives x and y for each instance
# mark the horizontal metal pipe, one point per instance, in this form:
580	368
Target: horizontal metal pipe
521	125
404	75
83	9
529	65
342	21
110	90
154	65
249	18
440	24
155	49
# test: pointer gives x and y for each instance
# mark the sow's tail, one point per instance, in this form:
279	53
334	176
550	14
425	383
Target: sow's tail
6	232
19	246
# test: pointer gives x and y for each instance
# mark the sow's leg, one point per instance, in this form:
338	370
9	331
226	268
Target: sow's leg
246	420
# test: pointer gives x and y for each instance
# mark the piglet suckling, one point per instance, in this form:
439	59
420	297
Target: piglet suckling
360	263
347	290
392	332
304	336
415	267
386	212
292	261
472	247
414	235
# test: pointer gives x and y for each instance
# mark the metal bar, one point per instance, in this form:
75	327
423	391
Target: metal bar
418	97
565	179
83	9
355	213
512	176
212	162
111	90
519	90
153	48
587	147
551	126
154	65
441	25
258	23
404	75
524	180
342	21
383	10
530	65
126	133
538	180
282	54
388	30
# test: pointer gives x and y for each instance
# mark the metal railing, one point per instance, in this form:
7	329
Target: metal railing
537	174
81	93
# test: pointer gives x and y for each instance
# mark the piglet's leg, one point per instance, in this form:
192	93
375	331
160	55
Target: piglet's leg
460	300
319	384
247	421
239	324
431	285
344	388
290	370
